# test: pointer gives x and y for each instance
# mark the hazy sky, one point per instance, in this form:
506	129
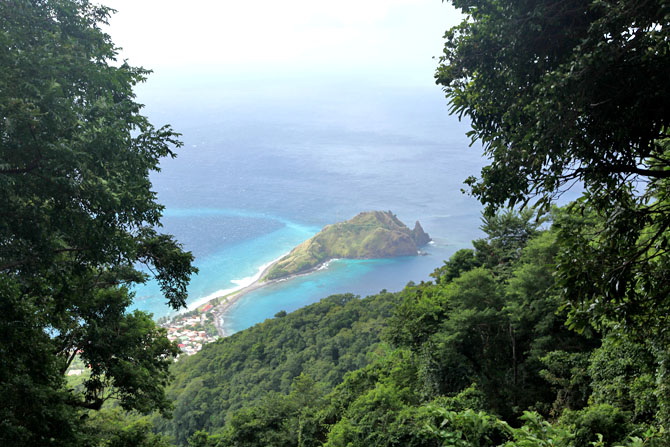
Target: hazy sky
369	38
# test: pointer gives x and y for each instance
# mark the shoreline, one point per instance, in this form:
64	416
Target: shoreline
191	327
221	309
216	307
212	297
203	322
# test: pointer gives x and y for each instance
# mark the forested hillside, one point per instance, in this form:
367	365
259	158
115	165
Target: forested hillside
323	341
481	356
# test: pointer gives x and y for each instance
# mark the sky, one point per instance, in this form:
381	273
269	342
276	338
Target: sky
392	40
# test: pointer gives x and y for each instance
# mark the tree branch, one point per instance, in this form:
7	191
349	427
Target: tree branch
624	169
31	167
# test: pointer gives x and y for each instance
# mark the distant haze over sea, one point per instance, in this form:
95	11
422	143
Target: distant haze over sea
265	165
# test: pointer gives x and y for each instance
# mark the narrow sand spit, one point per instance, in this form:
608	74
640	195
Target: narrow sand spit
223	304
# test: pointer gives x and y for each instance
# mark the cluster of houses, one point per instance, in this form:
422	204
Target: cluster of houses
188	332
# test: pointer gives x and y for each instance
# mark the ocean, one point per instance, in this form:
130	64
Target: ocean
264	167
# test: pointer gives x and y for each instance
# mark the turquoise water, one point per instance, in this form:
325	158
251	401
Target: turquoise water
224	265
362	277
261	172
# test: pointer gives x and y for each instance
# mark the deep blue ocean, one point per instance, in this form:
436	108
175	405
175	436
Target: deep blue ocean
265	166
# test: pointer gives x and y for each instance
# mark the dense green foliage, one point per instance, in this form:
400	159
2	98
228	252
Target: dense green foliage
561	91
324	341
78	217
372	234
481	356
573	92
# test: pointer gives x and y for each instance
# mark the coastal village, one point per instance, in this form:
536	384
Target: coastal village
192	330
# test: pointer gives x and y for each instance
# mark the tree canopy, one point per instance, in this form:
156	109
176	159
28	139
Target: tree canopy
482	357
560	92
78	221
565	93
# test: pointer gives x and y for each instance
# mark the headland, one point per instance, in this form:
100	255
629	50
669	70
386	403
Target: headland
369	235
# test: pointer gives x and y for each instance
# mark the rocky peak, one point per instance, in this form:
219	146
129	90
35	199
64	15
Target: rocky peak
419	236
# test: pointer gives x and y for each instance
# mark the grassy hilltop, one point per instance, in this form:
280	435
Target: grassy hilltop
369	235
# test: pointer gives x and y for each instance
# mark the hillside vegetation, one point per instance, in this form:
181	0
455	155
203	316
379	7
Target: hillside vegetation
369	235
324	340
480	356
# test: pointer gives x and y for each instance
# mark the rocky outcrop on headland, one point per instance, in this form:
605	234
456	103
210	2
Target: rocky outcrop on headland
369	235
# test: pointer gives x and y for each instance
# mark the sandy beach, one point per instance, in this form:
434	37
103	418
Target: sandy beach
223	303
